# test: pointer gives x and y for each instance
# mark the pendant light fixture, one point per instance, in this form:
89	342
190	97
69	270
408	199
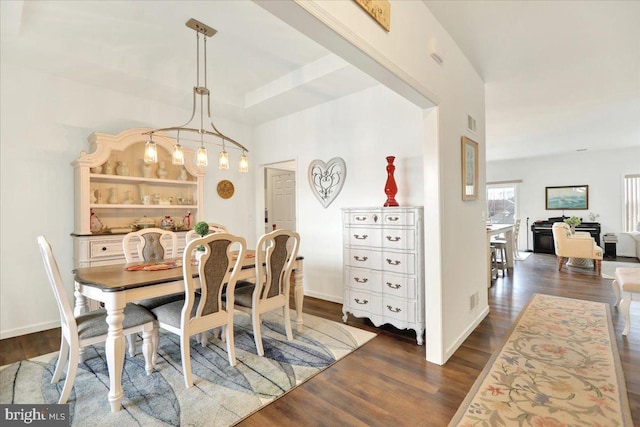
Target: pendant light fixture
151	149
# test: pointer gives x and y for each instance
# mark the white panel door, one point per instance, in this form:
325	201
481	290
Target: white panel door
283	200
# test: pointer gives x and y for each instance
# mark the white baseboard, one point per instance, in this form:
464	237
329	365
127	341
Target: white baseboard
452	349
29	329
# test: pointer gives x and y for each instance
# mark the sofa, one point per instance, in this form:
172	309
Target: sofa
635	235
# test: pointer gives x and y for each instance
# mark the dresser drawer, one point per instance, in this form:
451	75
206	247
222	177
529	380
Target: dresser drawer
398	286
363	258
399	218
398	238
105	248
361	236
363	303
362	279
361	218
399	310
398	262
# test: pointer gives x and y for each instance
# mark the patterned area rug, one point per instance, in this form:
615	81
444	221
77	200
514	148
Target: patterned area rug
609	268
222	395
559	366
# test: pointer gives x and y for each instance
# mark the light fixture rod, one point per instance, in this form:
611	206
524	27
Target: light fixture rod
200	131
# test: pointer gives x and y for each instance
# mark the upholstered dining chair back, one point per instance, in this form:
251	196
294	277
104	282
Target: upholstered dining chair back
275	254
150	244
88	328
216	270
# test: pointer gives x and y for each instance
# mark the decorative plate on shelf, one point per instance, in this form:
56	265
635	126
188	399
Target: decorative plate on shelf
225	189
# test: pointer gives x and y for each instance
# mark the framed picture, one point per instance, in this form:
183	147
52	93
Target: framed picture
570	197
469	169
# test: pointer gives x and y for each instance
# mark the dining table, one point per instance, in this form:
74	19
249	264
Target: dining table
118	284
494	230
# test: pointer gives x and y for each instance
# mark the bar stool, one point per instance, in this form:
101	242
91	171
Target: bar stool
500	248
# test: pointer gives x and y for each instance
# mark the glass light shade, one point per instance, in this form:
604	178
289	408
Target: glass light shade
243	165
223	160
201	157
150	152
178	155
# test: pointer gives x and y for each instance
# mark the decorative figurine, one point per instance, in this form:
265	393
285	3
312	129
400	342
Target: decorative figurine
162	170
186	221
94	223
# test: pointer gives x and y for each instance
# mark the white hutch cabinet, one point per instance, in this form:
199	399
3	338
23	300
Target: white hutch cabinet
384	266
119	196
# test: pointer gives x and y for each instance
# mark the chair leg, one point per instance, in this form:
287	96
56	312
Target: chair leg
599	266
625	304
62	359
257	332
71	375
155	343
616	291
147	350
231	347
204	340
560	262
287	322
186	360
131	343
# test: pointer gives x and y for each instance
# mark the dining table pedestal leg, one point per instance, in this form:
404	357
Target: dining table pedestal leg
114	348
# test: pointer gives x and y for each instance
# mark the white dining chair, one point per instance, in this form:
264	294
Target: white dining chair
90	328
199	312
149	245
275	254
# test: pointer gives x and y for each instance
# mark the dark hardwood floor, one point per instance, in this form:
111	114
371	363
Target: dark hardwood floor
388	382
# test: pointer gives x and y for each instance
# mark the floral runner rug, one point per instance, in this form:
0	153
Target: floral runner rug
222	395
558	367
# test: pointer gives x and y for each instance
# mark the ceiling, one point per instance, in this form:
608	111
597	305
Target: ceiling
560	76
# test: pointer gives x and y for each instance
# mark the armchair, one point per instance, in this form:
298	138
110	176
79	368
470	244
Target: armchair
577	245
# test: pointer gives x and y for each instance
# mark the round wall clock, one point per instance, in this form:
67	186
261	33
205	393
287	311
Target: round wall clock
225	189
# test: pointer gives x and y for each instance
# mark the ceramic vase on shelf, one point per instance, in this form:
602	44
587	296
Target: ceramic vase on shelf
113	195
108	168
183	174
122	169
146	170
186	220
390	188
93	196
162	170
97	169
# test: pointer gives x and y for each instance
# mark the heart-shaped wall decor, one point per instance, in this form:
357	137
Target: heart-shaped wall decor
326	179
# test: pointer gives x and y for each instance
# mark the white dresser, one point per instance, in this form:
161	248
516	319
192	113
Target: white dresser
384	266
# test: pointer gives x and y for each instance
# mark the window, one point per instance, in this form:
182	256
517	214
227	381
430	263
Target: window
631	201
501	202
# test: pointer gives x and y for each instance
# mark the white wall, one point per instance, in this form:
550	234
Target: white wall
602	171
454	230
45	123
363	129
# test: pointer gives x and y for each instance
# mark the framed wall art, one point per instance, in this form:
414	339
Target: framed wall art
569	197
469	169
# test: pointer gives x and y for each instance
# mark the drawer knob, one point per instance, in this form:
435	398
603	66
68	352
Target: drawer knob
394	286
390	262
360	237
361	218
394	310
364	301
104	248
393	218
393	239
360	258
359	280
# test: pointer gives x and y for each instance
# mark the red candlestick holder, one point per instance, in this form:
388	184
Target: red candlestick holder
390	188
